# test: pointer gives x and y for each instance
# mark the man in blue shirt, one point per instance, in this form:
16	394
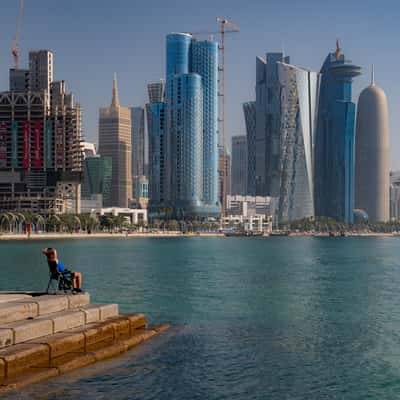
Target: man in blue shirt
51	255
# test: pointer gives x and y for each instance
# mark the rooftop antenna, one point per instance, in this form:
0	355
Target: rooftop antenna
338	50
15	48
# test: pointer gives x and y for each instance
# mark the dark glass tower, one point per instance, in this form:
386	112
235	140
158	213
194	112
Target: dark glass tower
334	146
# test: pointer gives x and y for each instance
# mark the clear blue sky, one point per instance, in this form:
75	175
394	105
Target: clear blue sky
92	39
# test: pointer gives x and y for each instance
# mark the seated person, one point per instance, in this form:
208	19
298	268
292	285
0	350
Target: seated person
51	255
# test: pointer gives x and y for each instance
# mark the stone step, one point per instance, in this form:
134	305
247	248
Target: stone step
61	349
34	306
48	324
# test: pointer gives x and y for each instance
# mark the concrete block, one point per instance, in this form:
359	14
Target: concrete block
108	311
7	298
78	300
98	333
67	320
110	351
137	321
6	337
48	304
16	311
61	343
30	329
92	313
122	328
19	358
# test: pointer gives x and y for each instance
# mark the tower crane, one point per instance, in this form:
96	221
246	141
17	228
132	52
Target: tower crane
225	27
15	48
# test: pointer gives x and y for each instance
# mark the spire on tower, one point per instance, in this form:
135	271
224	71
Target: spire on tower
338	51
115	98
373	75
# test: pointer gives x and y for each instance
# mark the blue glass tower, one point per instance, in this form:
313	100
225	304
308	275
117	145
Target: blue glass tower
334	145
204	61
192	125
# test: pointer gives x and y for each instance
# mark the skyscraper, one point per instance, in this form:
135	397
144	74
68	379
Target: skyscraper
158	186
115	142
268	124
298	117
192	118
138	144
239	165
334	154
249	109
372	182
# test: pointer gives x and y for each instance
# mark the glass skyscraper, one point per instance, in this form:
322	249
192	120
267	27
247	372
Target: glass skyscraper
298	117
192	125
334	155
249	109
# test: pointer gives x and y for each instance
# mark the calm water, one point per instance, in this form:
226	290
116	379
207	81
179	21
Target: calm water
254	318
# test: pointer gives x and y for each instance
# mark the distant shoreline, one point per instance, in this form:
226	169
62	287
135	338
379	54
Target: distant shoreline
106	235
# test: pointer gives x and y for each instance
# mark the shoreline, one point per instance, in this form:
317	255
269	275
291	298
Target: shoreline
106	235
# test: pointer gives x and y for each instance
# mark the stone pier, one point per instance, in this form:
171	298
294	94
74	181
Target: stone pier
42	336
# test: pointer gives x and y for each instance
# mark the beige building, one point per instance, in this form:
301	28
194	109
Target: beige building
115	142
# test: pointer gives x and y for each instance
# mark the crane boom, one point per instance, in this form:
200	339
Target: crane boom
15	47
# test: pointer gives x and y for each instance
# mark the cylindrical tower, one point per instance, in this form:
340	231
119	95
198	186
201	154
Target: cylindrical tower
372	183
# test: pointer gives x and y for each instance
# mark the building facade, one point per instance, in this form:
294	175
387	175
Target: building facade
138	145
249	109
115	142
239	165
334	153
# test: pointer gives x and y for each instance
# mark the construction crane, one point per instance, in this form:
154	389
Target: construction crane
15	48
225	27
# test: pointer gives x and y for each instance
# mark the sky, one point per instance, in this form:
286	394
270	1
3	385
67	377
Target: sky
92	39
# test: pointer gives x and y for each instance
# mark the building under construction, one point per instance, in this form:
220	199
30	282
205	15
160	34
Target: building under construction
40	142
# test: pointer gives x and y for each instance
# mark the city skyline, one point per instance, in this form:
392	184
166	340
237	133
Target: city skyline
135	50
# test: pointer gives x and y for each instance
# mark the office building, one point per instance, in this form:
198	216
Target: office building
298	118
268	124
249	109
138	145
334	142
19	80
372	180
239	165
115	142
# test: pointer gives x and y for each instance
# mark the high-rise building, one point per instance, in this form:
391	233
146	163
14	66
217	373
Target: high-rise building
268	124
115	142
249	109
192	118
372	185
334	153
186	130
395	195
138	144
157	155
40	152
299	103
204	61
239	165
